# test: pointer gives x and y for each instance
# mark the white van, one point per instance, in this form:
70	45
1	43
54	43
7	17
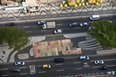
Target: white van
94	17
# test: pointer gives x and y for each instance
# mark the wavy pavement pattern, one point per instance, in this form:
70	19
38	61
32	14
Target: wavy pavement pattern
44	8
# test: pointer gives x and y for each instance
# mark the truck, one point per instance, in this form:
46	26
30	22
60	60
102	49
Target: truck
49	25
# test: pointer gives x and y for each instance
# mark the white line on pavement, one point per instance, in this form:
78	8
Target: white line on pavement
78	68
4	75
59	24
23	73
105	60
22	67
60	64
41	72
4	69
76	62
110	65
96	67
60	70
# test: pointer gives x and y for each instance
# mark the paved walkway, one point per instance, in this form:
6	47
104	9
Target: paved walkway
44	9
8	55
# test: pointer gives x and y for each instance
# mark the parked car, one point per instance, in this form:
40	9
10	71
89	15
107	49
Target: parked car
110	72
19	63
99	62
84	57
57	31
73	24
59	60
16	70
41	22
103	68
83	24
46	66
10	24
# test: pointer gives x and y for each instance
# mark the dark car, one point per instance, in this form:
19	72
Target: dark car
10	24
103	68
59	60
16	70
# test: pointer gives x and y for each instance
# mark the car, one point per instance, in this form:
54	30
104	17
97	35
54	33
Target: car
46	66
83	24
19	63
84	57
10	24
57	31
73	24
99	62
41	22
94	17
110	72
16	70
103	68
59	60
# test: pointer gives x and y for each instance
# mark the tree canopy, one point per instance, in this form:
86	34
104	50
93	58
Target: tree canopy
15	37
104	32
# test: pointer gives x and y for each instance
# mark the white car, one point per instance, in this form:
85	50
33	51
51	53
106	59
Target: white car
19	63
57	31
110	72
99	62
83	24
84	57
41	22
73	24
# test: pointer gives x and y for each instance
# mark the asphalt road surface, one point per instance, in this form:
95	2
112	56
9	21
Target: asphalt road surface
71	66
36	30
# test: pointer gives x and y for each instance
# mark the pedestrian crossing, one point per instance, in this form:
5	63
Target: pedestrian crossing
90	44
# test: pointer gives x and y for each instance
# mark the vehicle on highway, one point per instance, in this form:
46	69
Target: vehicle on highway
73	24
94	17
83	24
110	72
16	70
19	63
49	25
57	31
99	62
103	68
46	66
59	60
41	22
10	24
84	57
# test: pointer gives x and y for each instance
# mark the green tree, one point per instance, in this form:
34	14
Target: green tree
15	37
104	32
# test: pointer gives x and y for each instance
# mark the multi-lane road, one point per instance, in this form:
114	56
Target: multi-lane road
72	65
36	30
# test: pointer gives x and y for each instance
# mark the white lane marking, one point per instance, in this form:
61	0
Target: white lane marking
60	70
78	68
110	65
4	69
97	73
96	67
59	24
22	67
23	73
105	60
76	62
4	75
39	65
60	64
41	72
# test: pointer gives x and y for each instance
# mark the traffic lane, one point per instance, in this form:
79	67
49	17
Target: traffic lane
102	57
110	63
